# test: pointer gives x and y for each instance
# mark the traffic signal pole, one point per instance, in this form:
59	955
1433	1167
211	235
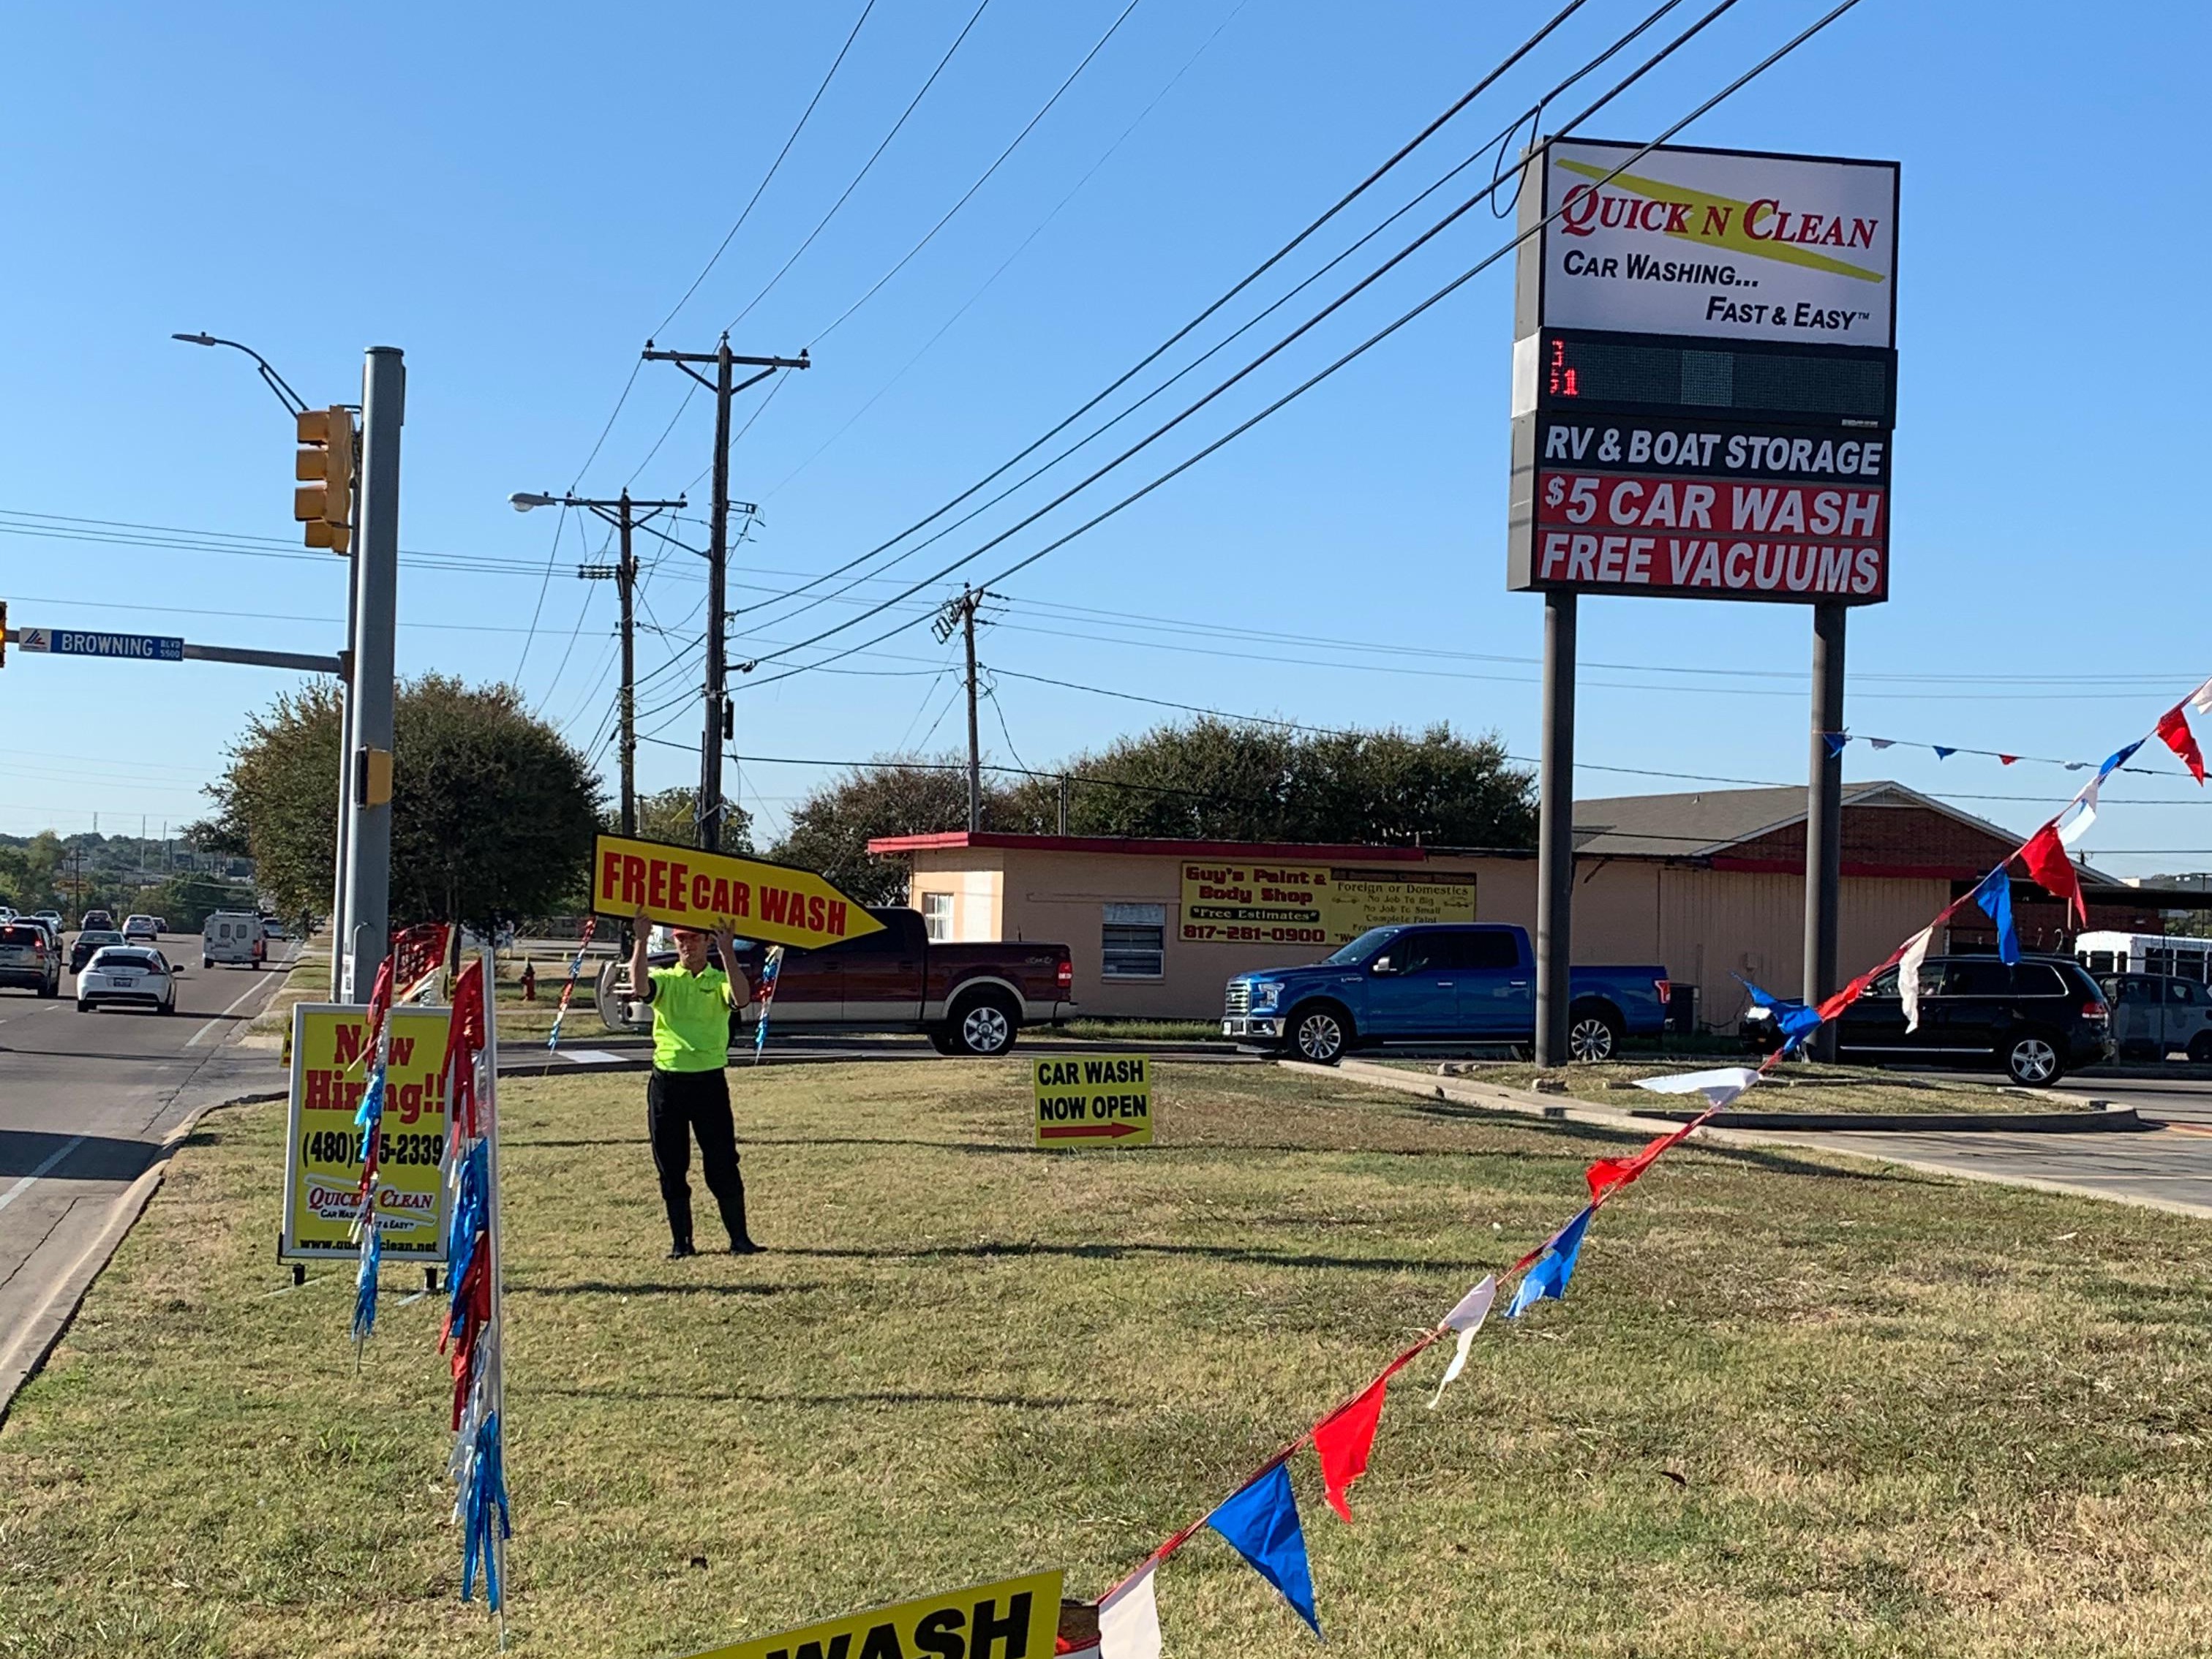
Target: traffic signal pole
717	725
376	584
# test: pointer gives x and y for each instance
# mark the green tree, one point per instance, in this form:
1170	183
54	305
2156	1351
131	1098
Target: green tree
492	814
672	815
1218	780
892	795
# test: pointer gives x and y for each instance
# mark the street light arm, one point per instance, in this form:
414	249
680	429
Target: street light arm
293	402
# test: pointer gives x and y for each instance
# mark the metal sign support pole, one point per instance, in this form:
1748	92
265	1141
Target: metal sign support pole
1823	817
1555	831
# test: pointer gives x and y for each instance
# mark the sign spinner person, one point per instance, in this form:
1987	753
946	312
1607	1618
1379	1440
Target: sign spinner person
690	1095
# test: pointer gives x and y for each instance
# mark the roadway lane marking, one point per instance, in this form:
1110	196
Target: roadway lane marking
52	1158
193	1041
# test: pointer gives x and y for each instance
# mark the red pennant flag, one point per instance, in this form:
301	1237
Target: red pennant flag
1851	993
2173	728
2046	860
1608	1173
2007	760
1343	1441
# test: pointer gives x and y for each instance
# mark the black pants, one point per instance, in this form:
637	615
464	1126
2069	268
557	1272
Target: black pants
678	1105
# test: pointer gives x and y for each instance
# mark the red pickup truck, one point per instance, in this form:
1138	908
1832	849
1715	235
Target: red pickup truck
966	998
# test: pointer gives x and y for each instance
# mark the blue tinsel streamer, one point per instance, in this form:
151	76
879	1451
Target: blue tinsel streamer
485	1499
372	1256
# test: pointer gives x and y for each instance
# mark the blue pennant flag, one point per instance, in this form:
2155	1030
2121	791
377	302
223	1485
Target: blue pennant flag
364	1283
2114	762
1795	1020
1262	1524
1548	1278
1941	753
1836	740
1995	897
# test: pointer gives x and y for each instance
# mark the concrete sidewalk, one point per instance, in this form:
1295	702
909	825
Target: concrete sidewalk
2168	1169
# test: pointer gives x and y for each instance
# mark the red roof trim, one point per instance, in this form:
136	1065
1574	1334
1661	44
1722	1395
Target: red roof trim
1285	851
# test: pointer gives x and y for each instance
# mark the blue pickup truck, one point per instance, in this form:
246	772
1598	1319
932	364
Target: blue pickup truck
1460	982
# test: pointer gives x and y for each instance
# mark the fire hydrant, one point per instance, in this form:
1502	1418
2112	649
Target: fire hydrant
529	982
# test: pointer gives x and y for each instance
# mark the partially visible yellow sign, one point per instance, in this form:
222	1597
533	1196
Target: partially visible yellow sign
1093	1100
1227	904
684	887
1013	1619
322	1156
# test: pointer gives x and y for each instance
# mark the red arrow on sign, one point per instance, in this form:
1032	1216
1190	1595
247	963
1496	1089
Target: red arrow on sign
1088	1131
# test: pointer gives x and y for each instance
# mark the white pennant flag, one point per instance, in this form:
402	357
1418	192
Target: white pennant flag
1129	1621
1467	1318
2201	698
2079	825
1882	742
1718	1087
1908	975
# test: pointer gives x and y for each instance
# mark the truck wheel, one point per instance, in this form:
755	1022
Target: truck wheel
984	1025
2032	1061
1321	1032
1594	1032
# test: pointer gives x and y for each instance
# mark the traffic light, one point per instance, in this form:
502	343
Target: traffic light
324	502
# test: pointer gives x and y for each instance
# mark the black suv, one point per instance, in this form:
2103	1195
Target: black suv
2038	1019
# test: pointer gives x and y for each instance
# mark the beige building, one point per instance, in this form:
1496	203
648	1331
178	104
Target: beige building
1710	884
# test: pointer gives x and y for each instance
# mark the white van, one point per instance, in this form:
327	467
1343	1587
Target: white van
232	936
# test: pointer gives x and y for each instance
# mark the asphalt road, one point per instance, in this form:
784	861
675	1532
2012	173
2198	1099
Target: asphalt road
85	1102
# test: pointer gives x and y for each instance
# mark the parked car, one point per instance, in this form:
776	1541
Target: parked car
139	927
966	998
232	938
1458	981
129	976
2154	1014
89	940
96	919
2036	1020
30	956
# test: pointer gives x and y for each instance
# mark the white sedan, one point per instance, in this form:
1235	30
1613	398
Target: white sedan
129	975
144	927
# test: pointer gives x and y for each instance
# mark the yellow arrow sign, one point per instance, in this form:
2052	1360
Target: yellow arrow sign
684	887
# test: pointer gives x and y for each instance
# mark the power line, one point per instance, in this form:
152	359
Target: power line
1253	276
981	178
1310	323
865	167
722	248
1021	249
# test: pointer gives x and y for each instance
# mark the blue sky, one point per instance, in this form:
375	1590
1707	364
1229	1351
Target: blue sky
518	198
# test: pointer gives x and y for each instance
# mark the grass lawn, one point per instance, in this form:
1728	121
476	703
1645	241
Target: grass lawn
1795	1087
1793	1404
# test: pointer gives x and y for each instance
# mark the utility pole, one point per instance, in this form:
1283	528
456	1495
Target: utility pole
376	593
625	515
720	723
960	614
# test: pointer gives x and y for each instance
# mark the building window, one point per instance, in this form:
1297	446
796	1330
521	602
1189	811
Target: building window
937	916
1133	941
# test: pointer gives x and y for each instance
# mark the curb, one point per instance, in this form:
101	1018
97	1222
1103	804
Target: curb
2119	1121
1545	1106
21	1360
